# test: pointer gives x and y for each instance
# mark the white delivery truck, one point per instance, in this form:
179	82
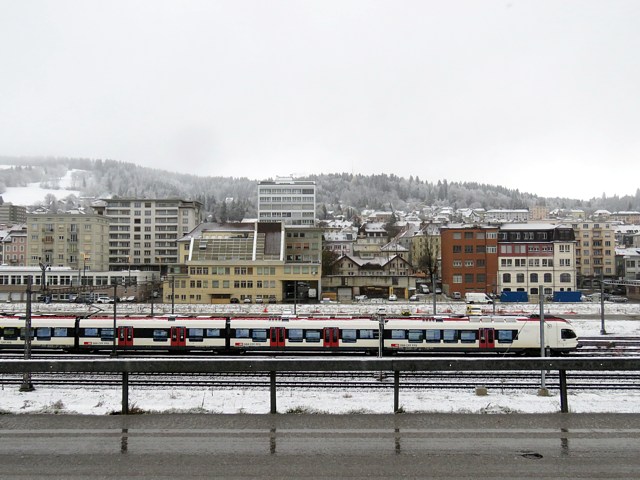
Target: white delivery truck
477	297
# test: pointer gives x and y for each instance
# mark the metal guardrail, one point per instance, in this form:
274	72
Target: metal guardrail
274	366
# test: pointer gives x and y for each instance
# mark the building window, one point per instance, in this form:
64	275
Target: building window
565	278
506	278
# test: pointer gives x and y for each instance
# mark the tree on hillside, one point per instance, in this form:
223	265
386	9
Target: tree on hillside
329	258
428	260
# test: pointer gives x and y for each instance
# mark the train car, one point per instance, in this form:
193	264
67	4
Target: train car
168	333
441	333
47	332
478	334
304	334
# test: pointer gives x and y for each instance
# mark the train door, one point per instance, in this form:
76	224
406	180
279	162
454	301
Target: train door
178	336
331	337
487	338
125	336
276	335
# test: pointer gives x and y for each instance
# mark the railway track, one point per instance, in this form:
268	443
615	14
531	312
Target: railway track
359	380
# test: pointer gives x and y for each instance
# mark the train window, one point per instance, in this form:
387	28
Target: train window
195	334
242	333
22	333
43	333
567	333
160	335
10	333
468	336
434	336
60	331
295	335
505	336
259	335
450	336
368	334
398	334
106	334
349	335
90	332
312	335
213	332
416	335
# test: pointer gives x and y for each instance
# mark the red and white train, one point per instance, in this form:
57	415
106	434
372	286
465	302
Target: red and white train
439	333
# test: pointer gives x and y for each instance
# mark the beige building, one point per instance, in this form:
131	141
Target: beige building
79	241
539	212
595	251
143	232
256	262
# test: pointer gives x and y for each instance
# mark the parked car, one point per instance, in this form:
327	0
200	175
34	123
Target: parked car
618	299
234	300
259	300
438	290
272	299
393	297
246	300
103	299
413	298
456	296
360	298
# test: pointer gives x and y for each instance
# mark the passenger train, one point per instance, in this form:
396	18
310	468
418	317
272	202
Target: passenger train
420	334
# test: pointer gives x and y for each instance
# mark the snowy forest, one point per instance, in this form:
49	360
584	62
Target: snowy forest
231	199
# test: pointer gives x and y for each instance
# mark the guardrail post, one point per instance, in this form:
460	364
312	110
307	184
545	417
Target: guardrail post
125	393
273	391
564	402
396	391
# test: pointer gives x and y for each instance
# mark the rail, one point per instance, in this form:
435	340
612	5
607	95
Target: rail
274	366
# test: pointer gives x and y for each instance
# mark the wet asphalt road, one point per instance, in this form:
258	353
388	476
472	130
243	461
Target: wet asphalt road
320	446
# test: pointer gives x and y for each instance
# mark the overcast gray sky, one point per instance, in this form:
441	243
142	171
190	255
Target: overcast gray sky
537	95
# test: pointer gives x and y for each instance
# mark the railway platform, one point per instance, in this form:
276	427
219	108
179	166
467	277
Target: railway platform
320	446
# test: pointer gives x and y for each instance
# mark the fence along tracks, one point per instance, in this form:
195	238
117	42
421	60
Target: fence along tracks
363	380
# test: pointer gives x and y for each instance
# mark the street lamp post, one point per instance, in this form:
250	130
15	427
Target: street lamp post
84	269
43	280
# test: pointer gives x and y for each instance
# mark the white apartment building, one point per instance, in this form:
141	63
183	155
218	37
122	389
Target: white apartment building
505	215
143	233
286	200
534	255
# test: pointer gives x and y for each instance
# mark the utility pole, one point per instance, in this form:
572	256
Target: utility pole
173	294
115	317
433	292
152	291
27	385
603	331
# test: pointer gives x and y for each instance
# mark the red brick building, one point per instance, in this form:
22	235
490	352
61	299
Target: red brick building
469	259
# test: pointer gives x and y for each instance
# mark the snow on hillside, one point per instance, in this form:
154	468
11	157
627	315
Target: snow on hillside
34	193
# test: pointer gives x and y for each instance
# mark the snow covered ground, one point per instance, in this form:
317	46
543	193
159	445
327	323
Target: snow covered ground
101	401
34	193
